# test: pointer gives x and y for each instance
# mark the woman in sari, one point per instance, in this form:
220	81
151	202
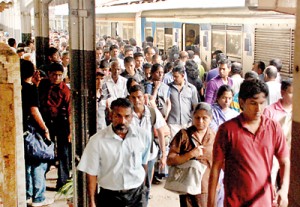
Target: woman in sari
220	110
221	113
195	142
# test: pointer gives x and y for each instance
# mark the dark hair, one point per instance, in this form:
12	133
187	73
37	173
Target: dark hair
249	88
99	48
132	41
51	51
155	67
285	84
104	64
168	66
129	82
136	88
277	63
11	42
261	65
191	69
190	54
28	42
121	102
222	89
21	45
236	68
149	39
137	54
147	65
112	47
225	61
178	68
203	106
27	69
128	60
55	67
216	52
147	50
251	75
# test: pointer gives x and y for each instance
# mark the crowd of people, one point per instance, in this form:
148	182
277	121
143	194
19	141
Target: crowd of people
149	107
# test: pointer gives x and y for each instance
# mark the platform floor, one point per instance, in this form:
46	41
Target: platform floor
159	196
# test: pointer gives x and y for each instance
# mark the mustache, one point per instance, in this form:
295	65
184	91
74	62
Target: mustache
119	127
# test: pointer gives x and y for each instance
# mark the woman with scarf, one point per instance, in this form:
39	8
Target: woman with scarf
221	113
221	109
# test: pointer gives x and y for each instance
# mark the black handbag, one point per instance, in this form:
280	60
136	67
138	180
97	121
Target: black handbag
36	146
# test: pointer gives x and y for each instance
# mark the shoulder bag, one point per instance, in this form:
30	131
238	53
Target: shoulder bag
36	146
186	178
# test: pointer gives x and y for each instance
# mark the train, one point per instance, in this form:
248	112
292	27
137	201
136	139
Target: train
242	32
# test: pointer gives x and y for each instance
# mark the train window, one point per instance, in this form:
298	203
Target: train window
233	44
218	40
191	35
160	40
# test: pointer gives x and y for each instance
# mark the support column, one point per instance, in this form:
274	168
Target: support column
41	29
25	26
294	194
83	85
12	163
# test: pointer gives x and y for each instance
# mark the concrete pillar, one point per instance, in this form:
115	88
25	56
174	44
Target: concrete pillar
12	163
294	194
41	29
83	69
25	25
138	28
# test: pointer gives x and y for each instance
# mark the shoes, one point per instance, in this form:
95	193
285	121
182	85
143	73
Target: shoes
46	202
156	180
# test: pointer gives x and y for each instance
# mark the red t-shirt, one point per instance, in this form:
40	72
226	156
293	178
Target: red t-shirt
248	160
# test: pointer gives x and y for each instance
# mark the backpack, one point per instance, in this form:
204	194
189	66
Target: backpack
153	121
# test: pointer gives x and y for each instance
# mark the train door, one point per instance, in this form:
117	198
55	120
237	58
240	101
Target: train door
190	35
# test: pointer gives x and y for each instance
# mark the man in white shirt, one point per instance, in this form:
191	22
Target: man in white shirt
149	119
273	85
116	158
114	86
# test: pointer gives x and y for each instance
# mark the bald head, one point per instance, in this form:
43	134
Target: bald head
270	73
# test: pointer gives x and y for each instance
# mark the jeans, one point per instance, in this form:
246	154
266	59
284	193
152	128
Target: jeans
149	178
35	180
63	155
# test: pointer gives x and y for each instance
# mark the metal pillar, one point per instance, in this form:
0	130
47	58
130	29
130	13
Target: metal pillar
83	81
294	194
41	29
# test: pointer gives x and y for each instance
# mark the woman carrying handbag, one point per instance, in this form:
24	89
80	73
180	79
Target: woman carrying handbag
195	142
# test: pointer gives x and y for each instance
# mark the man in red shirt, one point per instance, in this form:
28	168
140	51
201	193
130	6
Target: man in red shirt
246	145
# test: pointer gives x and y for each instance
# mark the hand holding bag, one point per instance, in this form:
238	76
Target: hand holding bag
186	178
36	146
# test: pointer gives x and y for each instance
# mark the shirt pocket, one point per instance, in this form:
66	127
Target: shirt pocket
136	159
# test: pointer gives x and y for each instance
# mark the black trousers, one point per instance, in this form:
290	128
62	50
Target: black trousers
127	198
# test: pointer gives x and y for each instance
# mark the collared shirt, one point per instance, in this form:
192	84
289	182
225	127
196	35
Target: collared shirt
212	74
212	88
139	77
276	112
248	160
114	90
182	103
274	92
168	77
145	123
55	100
117	162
